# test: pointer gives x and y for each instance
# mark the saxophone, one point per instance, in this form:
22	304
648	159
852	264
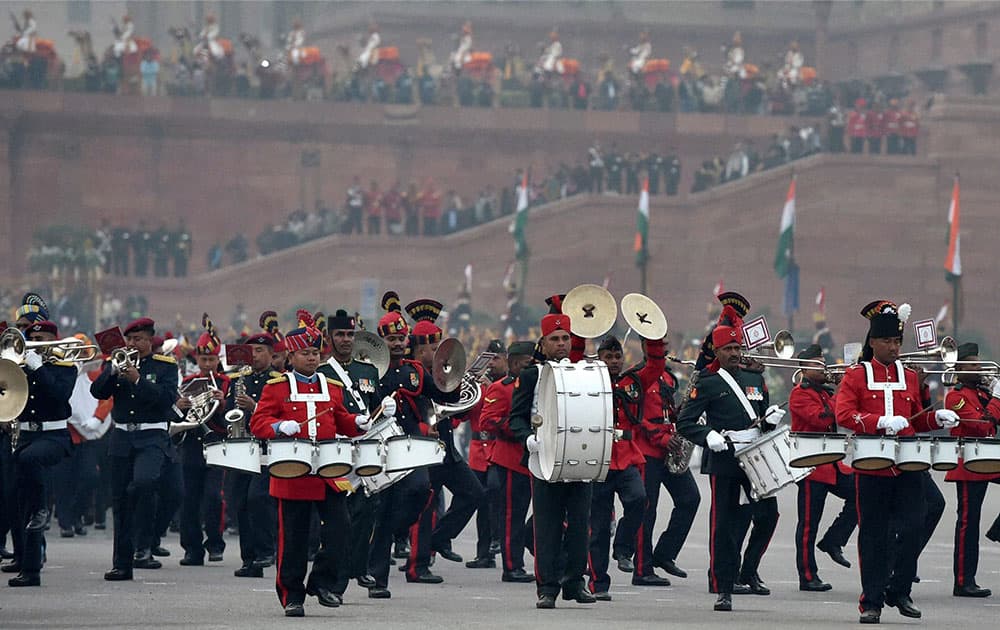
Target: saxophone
678	458
235	426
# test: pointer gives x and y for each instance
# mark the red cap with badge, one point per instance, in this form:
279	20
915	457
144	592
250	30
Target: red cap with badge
425	312
143	324
208	342
392	323
555	319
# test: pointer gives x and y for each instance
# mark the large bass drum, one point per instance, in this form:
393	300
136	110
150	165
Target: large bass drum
575	408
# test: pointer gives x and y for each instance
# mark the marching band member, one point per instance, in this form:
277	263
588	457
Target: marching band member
551	59
506	472
369	54
426	536
269	322
202	502
560	553
124	38
812	408
27	33
735	57
44	441
461	55
410	384
144	394
878	396
640	53
294	41
980	407
209	38
793	64
247	493
731	420
655	439
480	446
305	403
623	476
360	395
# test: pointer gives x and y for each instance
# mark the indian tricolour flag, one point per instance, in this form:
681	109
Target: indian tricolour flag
642	226
953	261
521	220
786	234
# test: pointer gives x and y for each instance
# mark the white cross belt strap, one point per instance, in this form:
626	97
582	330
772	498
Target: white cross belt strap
309	399
740	395
887	387
345	378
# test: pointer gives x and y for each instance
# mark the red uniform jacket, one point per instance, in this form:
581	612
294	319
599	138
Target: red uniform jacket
972	404
481	443
891	121
856	127
275	405
874	124
859	408
909	125
495	417
629	390
657	418
812	407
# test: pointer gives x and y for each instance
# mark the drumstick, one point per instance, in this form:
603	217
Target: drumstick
318	414
756	423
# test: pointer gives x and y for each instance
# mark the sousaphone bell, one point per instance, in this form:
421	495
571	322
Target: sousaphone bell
591	309
644	316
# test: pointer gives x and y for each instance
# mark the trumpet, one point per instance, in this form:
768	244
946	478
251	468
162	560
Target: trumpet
124	358
14	347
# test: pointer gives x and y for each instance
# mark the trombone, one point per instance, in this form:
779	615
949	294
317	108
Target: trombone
14	347
834	373
946	353
784	355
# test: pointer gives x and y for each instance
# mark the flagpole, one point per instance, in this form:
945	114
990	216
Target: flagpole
955	291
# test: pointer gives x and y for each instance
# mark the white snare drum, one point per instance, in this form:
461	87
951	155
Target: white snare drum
913	454
377	483
369	457
873	452
235	454
816	449
406	452
334	458
945	453
981	455
765	463
288	459
574	402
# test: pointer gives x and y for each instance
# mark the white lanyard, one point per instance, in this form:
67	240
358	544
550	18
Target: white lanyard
310	399
348	383
887	387
742	397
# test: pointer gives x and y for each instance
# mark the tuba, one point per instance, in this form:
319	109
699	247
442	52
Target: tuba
203	405
449	372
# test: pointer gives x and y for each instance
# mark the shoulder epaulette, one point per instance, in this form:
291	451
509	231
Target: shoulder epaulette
275	381
166	358
334	382
275	374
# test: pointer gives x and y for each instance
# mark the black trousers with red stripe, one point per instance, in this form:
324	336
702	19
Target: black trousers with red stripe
881	501
487	519
561	521
760	519
627	484
515	497
812	500
293	545
969	505
684	493
728	523
399	507
201	508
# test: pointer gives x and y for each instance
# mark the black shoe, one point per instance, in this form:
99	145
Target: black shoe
366	581
263	562
993	534
871	615
757	585
378	592
402	551
449	555
582	596
5	554
25	579
80	530
100	525
602	596
495	548
426	578
836	554
904	604
741	589
670	567
118	575
916	579
38	522
295	610
546	601
66	532
191	560
148	563
160	552
215	556
481	563
724	603
625	564
326	597
971	590
517	575
815	585
649	580
249	571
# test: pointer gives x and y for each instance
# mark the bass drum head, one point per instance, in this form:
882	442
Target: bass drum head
548	434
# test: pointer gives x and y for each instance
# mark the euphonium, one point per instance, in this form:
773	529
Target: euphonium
678	458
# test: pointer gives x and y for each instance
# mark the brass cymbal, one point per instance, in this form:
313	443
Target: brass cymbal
644	316
449	363
370	348
591	309
13	390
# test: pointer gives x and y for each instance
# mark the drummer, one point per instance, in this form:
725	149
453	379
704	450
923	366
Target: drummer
733	421
811	405
561	509
306	405
978	403
360	395
865	406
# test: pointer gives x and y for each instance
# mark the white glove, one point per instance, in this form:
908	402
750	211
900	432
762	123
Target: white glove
364	421
893	424
532	444
289	427
389	407
715	441
773	415
33	360
92	425
995	388
946	418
